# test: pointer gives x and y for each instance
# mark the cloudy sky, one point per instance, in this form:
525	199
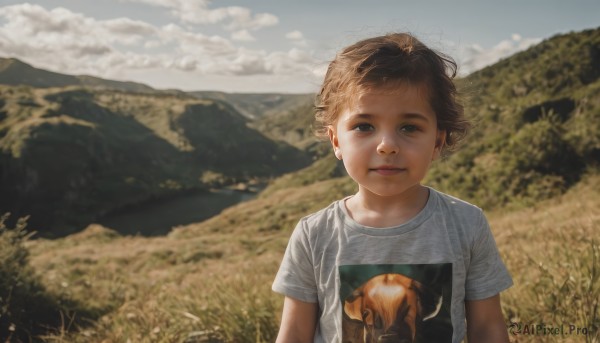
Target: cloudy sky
263	45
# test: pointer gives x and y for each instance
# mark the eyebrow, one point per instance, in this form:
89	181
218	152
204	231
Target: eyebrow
411	115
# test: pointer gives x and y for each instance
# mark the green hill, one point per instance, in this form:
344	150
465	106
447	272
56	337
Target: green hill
14	72
537	117
69	156
281	117
296	127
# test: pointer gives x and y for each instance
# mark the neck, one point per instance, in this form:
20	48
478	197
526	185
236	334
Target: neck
373	210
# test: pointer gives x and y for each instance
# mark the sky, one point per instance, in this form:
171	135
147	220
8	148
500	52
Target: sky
258	46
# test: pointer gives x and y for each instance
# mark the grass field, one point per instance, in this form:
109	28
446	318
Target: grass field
210	282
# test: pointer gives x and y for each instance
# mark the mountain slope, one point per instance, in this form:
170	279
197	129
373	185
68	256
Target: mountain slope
14	72
537	124
255	106
69	155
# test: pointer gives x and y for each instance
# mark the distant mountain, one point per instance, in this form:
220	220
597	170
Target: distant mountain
282	117
71	155
15	72
294	126
258	105
253	106
264	107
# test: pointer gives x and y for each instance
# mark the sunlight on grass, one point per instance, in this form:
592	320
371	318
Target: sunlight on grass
553	253
201	284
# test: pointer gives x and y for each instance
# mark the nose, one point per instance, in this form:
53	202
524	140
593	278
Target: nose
387	145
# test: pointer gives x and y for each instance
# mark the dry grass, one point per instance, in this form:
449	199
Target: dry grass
212	280
553	253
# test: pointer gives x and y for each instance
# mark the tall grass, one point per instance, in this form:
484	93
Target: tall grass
148	291
553	252
236	309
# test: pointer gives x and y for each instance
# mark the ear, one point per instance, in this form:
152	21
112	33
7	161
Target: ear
440	141
334	142
353	304
430	301
432	307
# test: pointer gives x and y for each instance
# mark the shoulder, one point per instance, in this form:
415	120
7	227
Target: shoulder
323	220
326	213
455	206
462	217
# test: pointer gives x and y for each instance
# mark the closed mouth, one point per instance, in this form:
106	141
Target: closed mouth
387	170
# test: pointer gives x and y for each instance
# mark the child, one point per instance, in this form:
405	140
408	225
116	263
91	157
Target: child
397	261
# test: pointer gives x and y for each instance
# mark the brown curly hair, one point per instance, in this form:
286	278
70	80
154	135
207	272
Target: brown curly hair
384	61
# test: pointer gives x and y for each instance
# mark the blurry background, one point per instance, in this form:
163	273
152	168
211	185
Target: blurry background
162	152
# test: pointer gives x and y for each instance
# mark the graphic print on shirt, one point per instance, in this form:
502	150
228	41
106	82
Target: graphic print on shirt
396	303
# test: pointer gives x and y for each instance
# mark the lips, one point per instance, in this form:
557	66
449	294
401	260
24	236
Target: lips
387	170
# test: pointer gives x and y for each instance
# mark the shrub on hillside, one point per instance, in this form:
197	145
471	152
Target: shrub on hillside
538	163
27	310
582	131
533	164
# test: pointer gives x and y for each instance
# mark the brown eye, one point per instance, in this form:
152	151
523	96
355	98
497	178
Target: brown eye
409	128
363	127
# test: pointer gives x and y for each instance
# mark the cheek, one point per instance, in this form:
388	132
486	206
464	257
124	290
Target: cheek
355	152
426	146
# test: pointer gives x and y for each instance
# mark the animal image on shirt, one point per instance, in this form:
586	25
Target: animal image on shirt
393	307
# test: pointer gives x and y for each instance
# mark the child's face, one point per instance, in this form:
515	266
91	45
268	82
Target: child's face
387	139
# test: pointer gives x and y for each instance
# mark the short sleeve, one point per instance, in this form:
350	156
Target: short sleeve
487	275
296	276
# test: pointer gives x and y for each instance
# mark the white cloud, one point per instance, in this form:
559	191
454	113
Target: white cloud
320	70
293	61
194	43
474	57
249	62
152	44
197	12
126	26
294	35
242	36
297	38
35	19
69	42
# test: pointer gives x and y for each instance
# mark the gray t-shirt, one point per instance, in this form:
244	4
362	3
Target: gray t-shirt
409	281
